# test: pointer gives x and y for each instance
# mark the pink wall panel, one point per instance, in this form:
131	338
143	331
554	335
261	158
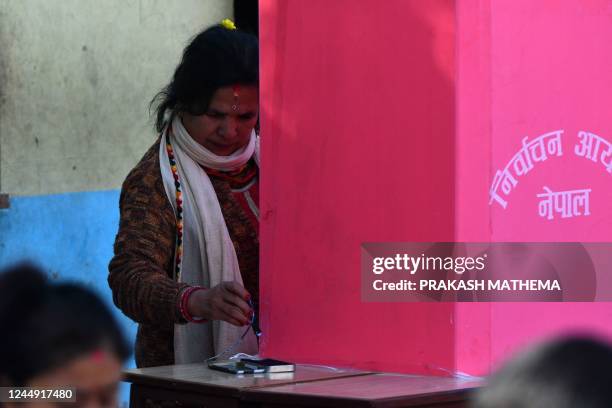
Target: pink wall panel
358	145
387	121
472	177
551	62
526	68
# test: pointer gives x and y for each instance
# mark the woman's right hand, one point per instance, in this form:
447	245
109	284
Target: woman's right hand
226	301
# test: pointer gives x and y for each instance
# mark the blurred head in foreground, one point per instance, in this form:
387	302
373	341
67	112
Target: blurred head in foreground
574	372
58	335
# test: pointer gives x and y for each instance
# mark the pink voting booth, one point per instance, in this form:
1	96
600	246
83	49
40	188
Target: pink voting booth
406	120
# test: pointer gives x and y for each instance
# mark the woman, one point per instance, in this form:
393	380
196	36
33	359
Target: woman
56	336
186	255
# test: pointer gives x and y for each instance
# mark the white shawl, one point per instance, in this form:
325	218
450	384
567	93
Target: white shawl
209	257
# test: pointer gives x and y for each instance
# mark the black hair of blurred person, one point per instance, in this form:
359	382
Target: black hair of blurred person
572	372
46	325
215	58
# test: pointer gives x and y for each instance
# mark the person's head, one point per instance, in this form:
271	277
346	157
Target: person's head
215	90
572	372
58	335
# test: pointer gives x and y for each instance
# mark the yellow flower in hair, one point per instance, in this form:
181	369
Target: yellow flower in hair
229	24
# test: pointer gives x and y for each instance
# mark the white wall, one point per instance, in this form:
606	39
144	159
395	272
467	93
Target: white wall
76	77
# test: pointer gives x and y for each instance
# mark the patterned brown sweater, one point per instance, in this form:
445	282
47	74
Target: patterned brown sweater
141	270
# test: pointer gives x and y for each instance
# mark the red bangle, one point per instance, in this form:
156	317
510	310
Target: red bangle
183	304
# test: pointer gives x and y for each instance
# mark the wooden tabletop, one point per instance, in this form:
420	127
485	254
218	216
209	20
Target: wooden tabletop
200	378
308	386
375	390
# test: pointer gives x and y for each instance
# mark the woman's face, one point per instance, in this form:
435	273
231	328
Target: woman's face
227	124
94	377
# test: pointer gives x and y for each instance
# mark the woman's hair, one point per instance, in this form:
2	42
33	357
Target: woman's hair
215	58
45	325
567	373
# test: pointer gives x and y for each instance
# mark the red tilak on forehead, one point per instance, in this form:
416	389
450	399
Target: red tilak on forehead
236	88
98	355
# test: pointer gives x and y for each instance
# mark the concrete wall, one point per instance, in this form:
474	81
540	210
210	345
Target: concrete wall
75	81
76	77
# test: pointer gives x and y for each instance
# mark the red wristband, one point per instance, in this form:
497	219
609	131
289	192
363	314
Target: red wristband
184	301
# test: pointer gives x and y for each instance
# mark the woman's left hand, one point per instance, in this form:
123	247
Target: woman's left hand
227	301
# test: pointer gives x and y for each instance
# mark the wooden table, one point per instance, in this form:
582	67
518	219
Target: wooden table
195	384
310	386
374	390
